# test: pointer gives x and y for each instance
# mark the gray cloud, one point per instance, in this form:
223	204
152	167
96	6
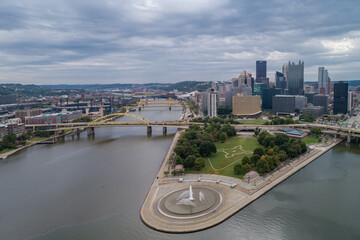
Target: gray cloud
50	42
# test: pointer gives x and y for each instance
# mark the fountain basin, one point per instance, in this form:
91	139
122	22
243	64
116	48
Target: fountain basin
178	204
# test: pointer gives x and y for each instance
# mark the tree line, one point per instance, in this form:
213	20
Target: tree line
276	149
197	142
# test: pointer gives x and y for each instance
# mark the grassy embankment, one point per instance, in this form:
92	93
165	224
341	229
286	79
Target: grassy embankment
311	139
228	154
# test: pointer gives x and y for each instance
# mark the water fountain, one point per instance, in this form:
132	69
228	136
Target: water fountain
190	202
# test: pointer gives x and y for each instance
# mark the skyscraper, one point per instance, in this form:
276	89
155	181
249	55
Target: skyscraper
212	103
280	80
267	96
260	69
295	79
323	81
245	78
340	97
261	73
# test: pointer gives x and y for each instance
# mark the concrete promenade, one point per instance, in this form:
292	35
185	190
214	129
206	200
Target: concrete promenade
234	198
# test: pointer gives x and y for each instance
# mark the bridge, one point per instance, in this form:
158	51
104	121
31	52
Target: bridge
103	122
108	121
157	103
328	129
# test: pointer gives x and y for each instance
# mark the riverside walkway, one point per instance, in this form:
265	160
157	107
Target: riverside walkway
236	194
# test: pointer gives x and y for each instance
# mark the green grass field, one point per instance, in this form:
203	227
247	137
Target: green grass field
311	139
227	155
253	121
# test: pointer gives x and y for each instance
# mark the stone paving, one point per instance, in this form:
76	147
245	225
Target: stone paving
236	193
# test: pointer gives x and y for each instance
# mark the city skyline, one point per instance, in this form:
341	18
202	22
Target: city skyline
87	42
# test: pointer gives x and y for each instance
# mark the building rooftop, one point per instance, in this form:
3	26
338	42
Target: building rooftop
293	131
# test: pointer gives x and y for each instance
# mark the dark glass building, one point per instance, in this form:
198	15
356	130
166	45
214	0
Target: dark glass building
295	78
283	104
321	100
260	69
310	97
340	97
267	96
280	80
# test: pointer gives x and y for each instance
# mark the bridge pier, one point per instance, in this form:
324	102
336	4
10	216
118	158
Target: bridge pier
349	138
139	109
149	130
90	131
164	131
78	131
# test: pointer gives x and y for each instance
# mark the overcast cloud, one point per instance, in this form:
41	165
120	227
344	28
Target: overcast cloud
139	41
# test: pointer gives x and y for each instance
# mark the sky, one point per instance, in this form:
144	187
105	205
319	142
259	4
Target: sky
142	41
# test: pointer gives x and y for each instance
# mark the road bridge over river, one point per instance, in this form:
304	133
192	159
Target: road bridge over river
108	121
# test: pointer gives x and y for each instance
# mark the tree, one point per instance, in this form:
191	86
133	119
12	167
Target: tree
303	147
262	136
199	164
222	137
262	166
229	130
238	168
206	148
190	134
254	158
185	150
246	168
9	141
259	152
316	131
179	160
281	139
246	160
189	161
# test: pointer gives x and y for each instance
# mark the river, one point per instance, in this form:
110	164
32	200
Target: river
93	188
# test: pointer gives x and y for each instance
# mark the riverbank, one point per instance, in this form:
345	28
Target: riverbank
31	143
236	193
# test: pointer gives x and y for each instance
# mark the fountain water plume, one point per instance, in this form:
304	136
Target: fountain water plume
191	198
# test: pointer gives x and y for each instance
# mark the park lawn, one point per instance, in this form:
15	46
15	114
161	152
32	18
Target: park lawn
311	139
225	165
253	121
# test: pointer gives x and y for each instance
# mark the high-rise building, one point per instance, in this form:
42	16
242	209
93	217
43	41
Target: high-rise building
245	78
285	71
212	103
235	82
321	100
260	69
350	101
340	97
310	96
283	104
295	78
280	80
261	73
246	105
323	81
267	96
258	87
300	102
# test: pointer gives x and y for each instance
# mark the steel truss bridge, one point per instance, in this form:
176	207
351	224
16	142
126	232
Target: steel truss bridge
157	103
107	121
